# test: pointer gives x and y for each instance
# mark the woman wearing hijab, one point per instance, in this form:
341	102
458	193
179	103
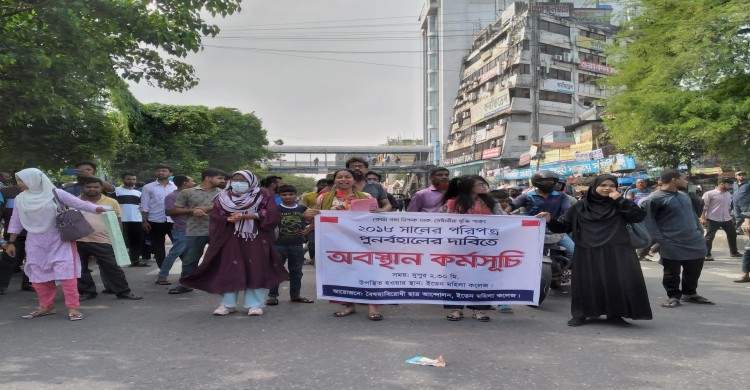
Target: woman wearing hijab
607	279
240	254
48	257
469	194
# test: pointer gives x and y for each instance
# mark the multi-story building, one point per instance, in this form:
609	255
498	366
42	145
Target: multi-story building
447	27
527	76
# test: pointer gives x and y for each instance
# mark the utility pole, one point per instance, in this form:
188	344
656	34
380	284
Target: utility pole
533	24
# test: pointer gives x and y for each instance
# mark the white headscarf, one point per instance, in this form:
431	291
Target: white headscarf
35	206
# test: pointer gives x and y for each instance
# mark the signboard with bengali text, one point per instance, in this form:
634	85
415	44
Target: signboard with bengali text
389	258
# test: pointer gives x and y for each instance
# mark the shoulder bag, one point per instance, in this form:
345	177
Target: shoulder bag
71	224
638	234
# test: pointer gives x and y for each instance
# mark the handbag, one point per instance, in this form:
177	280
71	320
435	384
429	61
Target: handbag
71	223
638	234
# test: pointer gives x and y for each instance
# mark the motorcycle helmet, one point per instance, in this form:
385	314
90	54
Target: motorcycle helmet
544	174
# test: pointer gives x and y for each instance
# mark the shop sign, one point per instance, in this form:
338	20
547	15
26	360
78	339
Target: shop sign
594	67
593	44
590	155
558	86
491	153
561	10
496	103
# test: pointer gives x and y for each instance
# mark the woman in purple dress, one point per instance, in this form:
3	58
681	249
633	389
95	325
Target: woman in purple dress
48	257
240	254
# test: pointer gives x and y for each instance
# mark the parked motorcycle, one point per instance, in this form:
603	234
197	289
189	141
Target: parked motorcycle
555	265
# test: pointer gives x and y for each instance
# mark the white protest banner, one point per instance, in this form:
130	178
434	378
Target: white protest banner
385	258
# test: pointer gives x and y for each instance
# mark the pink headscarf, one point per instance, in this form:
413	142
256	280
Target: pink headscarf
246	203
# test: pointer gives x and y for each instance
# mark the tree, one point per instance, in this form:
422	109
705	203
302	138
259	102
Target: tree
191	138
239	142
682	86
60	59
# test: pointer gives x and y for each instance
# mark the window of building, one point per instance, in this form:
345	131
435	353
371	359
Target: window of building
431	24
593	35
554	28
521	69
432	117
559	74
552	50
432	43
587	78
591	57
432	98
520	93
554	97
432	61
432	81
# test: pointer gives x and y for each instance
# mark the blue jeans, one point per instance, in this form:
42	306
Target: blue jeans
567	242
295	255
194	246
746	261
254	297
178	249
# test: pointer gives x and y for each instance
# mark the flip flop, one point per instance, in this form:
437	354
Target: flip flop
163	282
505	309
671	303
301	300
375	317
75	316
40	313
344	313
696	299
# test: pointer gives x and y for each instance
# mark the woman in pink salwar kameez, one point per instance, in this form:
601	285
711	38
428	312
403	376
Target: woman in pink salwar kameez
48	258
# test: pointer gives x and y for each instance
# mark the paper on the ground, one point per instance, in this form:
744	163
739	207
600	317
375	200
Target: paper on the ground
425	361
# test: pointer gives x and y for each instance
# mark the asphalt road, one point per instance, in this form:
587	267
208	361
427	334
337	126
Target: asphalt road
173	342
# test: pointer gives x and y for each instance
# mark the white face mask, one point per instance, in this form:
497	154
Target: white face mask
240	187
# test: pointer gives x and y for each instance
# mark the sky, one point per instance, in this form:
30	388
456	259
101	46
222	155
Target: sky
306	101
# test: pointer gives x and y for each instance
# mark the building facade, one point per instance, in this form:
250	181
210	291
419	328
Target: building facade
448	27
526	77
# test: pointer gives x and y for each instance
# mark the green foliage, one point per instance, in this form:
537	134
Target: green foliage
191	138
62	64
682	81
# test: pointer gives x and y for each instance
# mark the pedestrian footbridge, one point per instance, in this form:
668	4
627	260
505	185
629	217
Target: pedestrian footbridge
325	159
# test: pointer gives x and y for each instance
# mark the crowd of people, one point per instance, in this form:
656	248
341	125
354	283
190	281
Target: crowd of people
235	233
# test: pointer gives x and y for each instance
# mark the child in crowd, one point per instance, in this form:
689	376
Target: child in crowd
503	198
292	231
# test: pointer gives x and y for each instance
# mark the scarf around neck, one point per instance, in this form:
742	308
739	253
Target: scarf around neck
244	204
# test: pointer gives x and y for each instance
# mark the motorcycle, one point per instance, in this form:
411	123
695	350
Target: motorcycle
555	265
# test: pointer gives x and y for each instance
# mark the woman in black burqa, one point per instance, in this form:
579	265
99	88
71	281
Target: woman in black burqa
607	278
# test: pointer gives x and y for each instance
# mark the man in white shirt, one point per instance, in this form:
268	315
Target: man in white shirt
155	222
130	200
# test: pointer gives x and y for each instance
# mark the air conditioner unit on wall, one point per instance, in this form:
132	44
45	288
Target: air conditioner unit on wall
558	57
568	57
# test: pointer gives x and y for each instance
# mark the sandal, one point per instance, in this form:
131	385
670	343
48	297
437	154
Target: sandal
375	317
671	303
455	315
301	300
696	299
75	316
163	282
505	309
346	312
43	311
480	316
272	301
